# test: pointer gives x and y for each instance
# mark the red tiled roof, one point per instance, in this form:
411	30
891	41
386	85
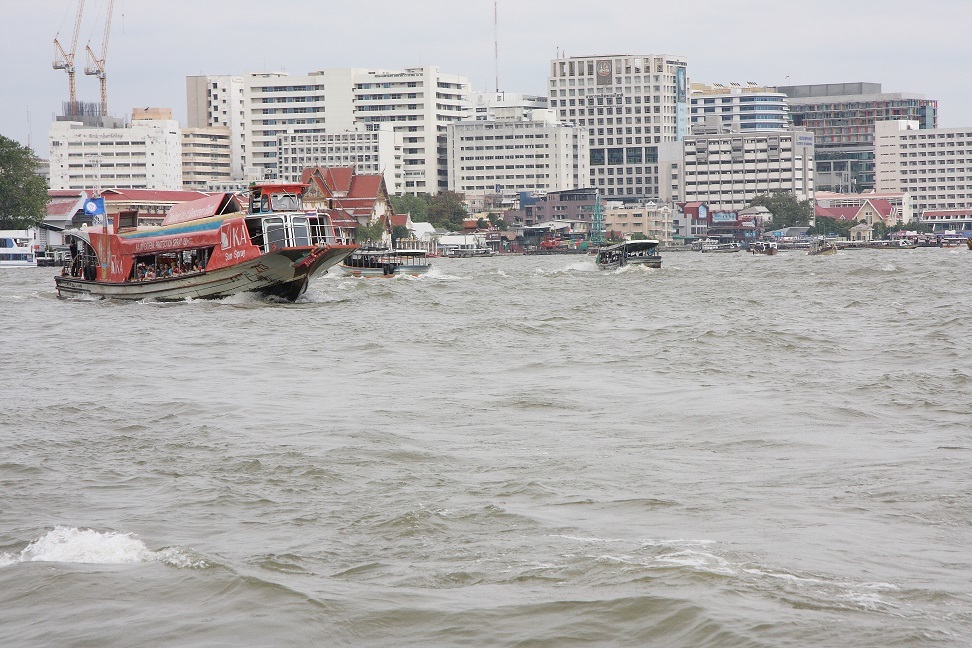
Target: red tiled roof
340	218
882	207
838	213
365	186
63	207
67	193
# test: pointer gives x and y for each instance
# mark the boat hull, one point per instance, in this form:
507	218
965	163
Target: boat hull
283	274
372	273
823	252
644	263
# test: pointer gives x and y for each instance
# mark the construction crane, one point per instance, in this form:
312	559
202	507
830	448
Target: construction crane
96	66
65	60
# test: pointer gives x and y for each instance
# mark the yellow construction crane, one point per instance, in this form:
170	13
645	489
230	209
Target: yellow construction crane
96	66
65	60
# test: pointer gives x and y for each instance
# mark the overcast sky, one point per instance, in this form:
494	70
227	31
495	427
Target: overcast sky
907	46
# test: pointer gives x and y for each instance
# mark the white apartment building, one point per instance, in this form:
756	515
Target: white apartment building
727	171
649	219
417	103
207	157
370	152
518	150
934	165
144	154
738	108
218	101
630	105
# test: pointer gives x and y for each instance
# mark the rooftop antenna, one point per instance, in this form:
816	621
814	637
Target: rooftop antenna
496	41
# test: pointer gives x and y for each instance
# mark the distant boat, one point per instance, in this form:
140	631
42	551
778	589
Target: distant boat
822	248
635	253
16	249
463	252
723	248
764	247
206	249
702	245
385	262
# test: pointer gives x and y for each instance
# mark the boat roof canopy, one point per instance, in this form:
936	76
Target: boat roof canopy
644	244
217	204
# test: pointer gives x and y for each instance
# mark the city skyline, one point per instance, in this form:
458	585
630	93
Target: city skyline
152	49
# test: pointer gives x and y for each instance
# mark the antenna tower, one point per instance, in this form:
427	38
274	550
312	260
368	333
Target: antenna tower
496	42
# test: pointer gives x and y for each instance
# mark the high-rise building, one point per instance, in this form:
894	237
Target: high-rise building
417	104
738	108
518	150
933	165
144	154
217	101
629	105
842	116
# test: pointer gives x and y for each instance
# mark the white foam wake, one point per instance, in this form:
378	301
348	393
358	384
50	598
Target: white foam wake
72	545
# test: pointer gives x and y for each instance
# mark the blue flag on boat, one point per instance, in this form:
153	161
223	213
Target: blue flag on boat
94	206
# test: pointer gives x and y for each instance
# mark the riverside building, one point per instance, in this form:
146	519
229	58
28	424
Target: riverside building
518	150
933	165
630	105
726	171
842	117
143	154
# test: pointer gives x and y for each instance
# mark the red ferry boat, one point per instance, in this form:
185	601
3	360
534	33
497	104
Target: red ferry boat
207	248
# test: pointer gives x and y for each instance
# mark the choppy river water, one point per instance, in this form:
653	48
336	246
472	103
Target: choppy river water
513	451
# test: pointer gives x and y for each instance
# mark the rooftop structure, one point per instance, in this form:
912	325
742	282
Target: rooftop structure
738	108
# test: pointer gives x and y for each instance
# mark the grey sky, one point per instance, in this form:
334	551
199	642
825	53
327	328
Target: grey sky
906	46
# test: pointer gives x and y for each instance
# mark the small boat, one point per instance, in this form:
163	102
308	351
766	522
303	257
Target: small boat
205	249
464	252
385	262
16	249
702	245
640	253
723	247
822	248
764	247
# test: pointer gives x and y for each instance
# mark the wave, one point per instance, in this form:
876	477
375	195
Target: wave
72	545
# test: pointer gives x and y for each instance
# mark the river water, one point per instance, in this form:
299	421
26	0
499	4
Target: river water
513	451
